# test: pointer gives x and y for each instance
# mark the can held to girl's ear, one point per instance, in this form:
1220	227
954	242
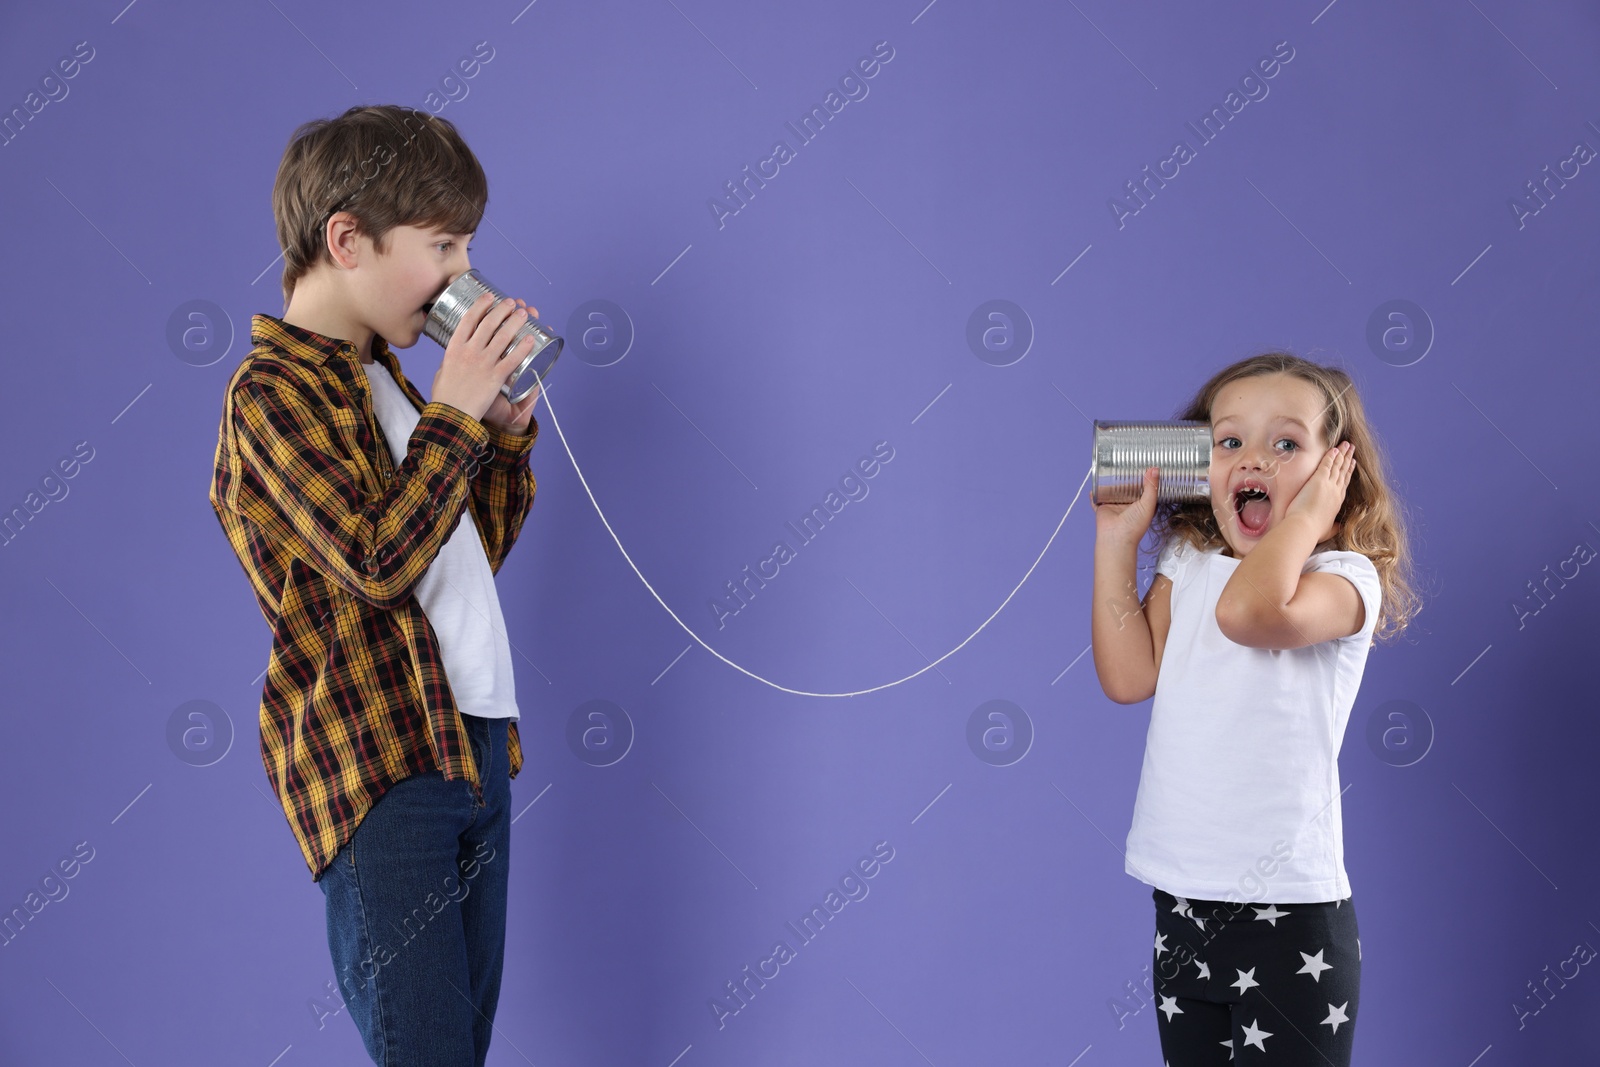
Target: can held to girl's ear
445	315
1180	450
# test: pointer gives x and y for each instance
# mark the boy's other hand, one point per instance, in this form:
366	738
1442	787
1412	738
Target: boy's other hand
509	417
473	369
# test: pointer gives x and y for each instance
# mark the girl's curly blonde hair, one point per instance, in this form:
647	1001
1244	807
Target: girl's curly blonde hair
1371	517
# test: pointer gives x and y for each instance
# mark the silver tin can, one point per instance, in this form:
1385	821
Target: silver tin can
1181	451
445	315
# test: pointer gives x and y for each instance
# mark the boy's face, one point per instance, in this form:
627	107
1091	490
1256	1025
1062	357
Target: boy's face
398	282
1266	431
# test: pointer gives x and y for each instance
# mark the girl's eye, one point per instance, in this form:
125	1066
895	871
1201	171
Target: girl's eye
1223	442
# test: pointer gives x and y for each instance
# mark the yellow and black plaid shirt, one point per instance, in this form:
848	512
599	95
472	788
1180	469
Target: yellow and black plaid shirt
334	538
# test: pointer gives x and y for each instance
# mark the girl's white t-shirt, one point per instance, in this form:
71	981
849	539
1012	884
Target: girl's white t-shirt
1239	793
457	590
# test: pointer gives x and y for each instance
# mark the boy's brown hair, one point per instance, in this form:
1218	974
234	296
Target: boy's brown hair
1372	514
388	166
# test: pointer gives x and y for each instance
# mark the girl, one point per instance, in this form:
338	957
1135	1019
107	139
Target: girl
1252	639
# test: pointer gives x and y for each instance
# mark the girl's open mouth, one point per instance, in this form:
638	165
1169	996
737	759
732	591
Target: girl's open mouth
1254	509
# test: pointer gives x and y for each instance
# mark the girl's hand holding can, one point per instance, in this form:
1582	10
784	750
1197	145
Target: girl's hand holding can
1124	525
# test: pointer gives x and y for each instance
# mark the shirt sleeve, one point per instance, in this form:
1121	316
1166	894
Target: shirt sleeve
502	488
1363	574
374	547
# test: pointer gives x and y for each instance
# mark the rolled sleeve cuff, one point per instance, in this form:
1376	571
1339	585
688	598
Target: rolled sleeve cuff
452	429
510	449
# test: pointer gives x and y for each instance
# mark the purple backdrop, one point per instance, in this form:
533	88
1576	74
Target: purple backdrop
1435	155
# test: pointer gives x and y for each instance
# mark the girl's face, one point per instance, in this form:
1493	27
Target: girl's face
1266	435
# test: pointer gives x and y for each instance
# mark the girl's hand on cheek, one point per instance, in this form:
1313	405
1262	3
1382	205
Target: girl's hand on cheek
1320	499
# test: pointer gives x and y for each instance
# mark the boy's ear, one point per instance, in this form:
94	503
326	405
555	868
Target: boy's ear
343	238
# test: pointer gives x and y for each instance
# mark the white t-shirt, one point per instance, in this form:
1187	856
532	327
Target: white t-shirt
457	591
1239	794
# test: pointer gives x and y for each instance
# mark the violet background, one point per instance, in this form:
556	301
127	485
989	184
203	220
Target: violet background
823	317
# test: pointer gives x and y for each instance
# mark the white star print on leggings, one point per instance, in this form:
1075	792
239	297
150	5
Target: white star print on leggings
1271	984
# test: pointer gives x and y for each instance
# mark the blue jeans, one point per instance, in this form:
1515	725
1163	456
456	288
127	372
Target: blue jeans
417	912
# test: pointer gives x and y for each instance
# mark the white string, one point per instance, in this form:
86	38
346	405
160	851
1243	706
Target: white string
797	692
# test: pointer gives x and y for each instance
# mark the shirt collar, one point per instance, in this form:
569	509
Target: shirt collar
314	348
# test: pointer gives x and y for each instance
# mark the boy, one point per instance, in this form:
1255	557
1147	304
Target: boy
370	525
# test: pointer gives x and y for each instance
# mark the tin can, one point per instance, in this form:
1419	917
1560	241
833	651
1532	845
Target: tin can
1180	450
445	315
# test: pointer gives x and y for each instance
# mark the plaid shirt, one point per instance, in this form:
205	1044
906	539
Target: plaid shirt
334	538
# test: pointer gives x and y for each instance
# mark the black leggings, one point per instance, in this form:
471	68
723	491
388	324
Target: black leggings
1256	983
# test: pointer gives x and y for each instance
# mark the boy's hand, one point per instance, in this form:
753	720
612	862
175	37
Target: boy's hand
1126	524
473	369
502	413
1320	499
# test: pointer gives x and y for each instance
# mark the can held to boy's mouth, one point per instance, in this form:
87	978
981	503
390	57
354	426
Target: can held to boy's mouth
1180	450
444	315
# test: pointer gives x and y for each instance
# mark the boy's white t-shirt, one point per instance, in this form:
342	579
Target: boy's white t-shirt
457	590
1241	758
